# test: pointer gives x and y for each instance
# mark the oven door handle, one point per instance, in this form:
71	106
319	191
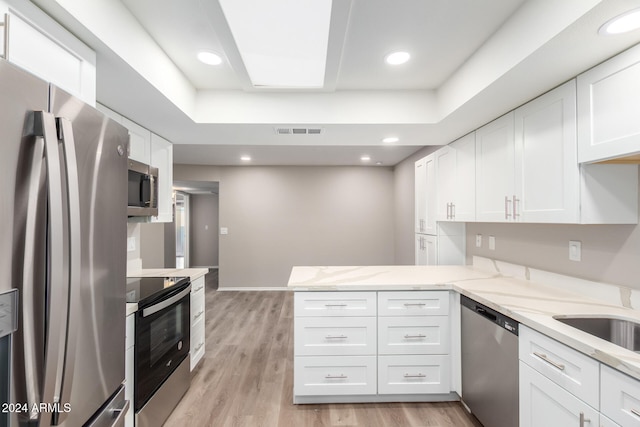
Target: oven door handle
148	311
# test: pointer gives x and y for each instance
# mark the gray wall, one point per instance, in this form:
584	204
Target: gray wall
279	217
203	230
152	245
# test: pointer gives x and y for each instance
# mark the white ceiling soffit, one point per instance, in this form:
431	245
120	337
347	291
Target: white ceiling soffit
486	58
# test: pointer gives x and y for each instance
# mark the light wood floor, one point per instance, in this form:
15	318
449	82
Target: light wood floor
246	376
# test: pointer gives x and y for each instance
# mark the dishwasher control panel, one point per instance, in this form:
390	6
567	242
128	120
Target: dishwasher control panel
490	314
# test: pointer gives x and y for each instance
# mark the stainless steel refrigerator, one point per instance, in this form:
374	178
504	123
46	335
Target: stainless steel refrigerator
63	192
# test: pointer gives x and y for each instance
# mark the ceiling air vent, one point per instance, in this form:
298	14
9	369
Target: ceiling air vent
298	131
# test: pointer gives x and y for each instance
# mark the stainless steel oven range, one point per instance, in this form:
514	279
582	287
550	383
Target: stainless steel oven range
161	345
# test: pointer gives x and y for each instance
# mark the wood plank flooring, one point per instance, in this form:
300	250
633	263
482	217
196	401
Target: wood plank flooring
246	376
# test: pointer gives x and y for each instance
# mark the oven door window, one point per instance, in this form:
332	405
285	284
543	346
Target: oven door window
162	342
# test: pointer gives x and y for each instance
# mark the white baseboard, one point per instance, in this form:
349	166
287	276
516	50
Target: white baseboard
254	288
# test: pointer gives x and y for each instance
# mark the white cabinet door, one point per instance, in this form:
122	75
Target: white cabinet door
547	175
425	195
608	105
620	397
426	249
139	142
545	404
41	46
464	208
414	374
495	170
129	370
334	375
446	182
162	158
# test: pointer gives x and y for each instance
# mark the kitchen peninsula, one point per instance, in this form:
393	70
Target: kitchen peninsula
342	294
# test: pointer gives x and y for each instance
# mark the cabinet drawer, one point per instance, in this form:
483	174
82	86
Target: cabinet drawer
413	335
339	375
413	303
620	398
570	369
316	336
197	347
130	338
335	304
414	374
197	307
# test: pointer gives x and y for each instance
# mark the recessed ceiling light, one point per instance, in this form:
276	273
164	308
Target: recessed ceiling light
209	58
282	43
397	58
624	23
379	163
365	158
390	140
245	158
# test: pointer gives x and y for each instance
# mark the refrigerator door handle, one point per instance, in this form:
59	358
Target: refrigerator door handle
44	125
74	255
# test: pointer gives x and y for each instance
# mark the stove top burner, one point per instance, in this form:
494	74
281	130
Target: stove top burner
144	290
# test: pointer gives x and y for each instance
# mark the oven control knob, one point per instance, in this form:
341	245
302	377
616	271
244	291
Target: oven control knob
179	345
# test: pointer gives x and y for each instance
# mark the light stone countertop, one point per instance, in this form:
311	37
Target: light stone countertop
531	304
192	273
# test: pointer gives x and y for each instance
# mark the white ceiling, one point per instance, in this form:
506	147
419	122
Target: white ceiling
472	60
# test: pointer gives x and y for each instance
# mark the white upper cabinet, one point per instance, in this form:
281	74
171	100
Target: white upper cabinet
546	168
139	142
425	195
608	105
495	170
455	177
162	158
33	41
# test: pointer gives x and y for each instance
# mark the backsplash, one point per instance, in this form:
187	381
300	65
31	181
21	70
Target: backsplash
603	292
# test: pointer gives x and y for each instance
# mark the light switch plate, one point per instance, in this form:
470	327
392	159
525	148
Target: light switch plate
224	230
478	240
131	244
575	250
492	243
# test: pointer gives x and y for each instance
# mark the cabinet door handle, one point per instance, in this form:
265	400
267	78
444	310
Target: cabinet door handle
407	336
198	347
515	207
448	210
583	420
335	337
453	211
418	375
336	377
507	215
198	315
549	361
635	412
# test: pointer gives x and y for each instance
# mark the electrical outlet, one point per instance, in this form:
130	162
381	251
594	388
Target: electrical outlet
224	230
131	244
478	240
492	243
575	250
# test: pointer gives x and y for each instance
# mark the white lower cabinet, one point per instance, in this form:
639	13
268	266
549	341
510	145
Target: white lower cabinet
196	350
371	346
543	403
620	397
129	368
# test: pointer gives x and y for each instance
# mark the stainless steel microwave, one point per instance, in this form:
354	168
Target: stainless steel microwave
143	190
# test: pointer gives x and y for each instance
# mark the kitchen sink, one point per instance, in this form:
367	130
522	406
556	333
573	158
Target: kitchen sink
622	332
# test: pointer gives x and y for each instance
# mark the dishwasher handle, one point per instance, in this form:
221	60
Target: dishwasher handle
484	313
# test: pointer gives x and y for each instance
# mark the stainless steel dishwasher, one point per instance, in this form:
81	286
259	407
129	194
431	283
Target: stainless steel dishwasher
489	364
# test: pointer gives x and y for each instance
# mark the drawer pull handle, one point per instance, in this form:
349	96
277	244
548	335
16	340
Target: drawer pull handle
196	291
335	305
199	347
336	377
418	375
549	361
414	304
336	337
583	420
198	315
407	336
635	412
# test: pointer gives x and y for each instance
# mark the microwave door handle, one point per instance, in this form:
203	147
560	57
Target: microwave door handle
148	311
57	289
65	131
